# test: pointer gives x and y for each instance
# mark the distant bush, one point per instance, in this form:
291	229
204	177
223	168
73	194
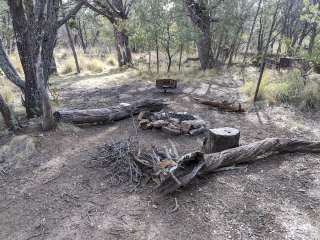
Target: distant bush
288	88
111	61
95	65
6	91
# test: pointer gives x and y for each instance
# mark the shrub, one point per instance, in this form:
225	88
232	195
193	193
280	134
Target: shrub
111	61
68	66
94	65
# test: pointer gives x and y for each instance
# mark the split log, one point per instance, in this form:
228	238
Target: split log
105	115
228	107
195	164
220	139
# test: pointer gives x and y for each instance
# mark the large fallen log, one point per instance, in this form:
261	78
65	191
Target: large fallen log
195	164
105	115
228	107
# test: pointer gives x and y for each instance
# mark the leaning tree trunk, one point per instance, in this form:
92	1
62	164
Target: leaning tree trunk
122	46
8	116
9	70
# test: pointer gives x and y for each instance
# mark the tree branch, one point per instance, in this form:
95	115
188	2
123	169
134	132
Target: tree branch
71	13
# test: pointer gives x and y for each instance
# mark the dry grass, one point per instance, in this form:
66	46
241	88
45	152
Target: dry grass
88	63
287	87
15	60
7	90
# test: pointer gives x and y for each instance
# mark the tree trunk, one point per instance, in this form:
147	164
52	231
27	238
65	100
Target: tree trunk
74	53
157	50
263	64
251	32
8	116
180	56
83	44
53	68
107	115
312	38
122	46
200	18
204	49
48	122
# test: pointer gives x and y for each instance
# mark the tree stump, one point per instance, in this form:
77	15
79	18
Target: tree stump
220	139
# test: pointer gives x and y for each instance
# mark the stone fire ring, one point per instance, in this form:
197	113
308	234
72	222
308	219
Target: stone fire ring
174	123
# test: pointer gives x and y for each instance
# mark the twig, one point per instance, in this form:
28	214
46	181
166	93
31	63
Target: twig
176	208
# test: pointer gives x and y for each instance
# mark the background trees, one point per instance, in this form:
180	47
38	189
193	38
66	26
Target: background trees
217	32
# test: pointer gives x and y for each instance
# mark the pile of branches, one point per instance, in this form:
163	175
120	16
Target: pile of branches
126	162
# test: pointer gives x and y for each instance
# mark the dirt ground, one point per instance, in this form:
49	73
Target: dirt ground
54	193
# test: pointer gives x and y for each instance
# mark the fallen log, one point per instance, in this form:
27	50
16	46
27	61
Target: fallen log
195	164
106	115
228	107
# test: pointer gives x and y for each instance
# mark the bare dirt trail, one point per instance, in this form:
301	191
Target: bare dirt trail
56	194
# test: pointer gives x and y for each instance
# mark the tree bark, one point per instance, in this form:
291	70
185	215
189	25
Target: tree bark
48	121
196	163
107	115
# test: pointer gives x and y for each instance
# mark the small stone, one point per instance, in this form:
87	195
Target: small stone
159	123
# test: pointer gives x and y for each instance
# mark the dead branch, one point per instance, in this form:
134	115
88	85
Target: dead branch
228	107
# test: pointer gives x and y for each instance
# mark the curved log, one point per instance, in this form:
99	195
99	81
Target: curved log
209	163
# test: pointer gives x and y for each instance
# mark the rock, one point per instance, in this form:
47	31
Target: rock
198	131
159	123
195	123
174	120
145	124
171	129
144	115
185	127
17	152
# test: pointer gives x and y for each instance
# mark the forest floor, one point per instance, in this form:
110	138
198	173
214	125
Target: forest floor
48	189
